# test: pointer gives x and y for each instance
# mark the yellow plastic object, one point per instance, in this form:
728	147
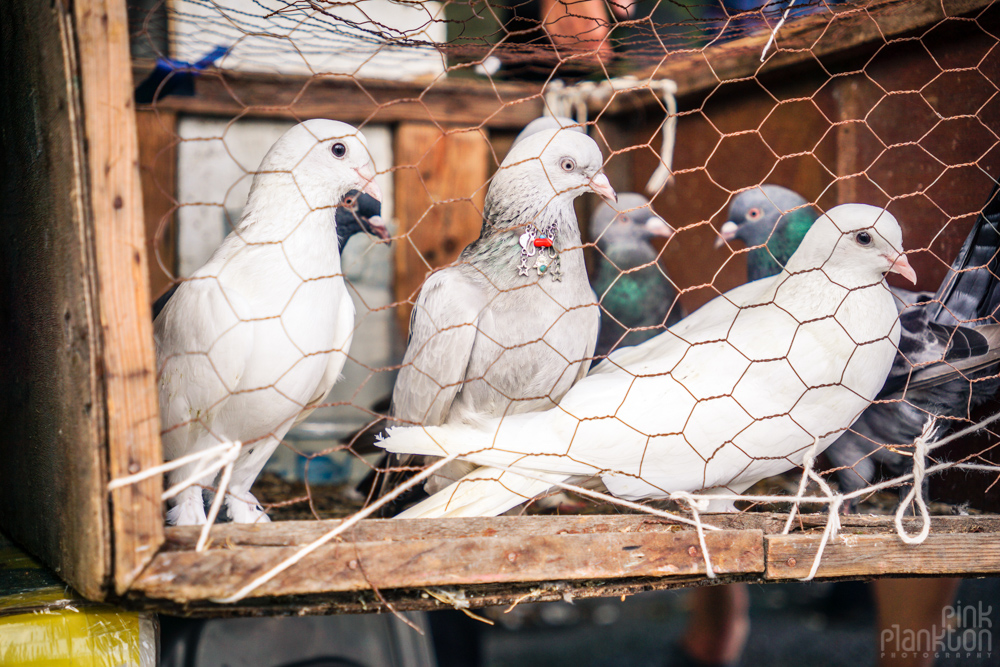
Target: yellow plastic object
44	623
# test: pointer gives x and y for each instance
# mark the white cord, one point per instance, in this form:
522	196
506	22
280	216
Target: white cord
774	32
571	102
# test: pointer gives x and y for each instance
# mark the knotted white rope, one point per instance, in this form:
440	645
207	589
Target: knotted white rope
916	493
572	102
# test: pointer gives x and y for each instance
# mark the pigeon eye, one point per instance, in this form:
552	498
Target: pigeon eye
754	214
567	164
349	201
863	238
339	150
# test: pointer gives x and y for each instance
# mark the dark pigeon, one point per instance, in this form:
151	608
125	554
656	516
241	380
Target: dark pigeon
771	221
637	299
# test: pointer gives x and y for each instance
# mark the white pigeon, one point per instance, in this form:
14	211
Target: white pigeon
512	324
730	395
258	336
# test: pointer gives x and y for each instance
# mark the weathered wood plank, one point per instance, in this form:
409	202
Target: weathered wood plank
870	523
473	550
847	555
440	179
811	38
486	595
116	215
52	498
158	170
298	533
186	576
467	103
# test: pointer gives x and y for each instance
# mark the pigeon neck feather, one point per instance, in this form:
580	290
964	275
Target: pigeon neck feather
512	203
278	215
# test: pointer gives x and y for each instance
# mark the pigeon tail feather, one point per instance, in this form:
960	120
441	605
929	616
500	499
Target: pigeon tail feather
483	492
971	291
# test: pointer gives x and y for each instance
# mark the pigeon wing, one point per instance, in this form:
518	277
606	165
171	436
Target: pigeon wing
443	330
203	349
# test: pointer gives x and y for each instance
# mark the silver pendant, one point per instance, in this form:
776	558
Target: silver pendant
546	257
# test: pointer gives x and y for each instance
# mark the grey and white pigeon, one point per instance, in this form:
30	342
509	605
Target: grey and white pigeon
512	324
949	357
734	393
253	340
637	298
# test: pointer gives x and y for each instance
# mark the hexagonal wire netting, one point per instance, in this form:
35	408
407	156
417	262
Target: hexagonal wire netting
746	128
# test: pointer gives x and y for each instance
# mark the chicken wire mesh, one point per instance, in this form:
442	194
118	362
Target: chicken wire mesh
539	364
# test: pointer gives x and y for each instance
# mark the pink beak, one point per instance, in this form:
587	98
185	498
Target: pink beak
602	186
901	265
726	233
659	227
369	186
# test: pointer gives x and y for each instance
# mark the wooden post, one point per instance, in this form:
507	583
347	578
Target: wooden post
116	217
440	189
158	170
52	459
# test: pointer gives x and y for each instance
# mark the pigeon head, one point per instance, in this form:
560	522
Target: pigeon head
771	220
855	245
548	123
325	158
631	221
552	164
359	212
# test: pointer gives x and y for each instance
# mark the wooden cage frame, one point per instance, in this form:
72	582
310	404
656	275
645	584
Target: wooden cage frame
96	418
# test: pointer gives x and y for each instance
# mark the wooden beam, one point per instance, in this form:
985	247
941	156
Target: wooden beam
357	566
847	555
469	103
116	218
386	601
440	185
472	103
298	533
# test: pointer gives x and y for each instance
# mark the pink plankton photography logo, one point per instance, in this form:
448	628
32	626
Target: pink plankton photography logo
965	632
